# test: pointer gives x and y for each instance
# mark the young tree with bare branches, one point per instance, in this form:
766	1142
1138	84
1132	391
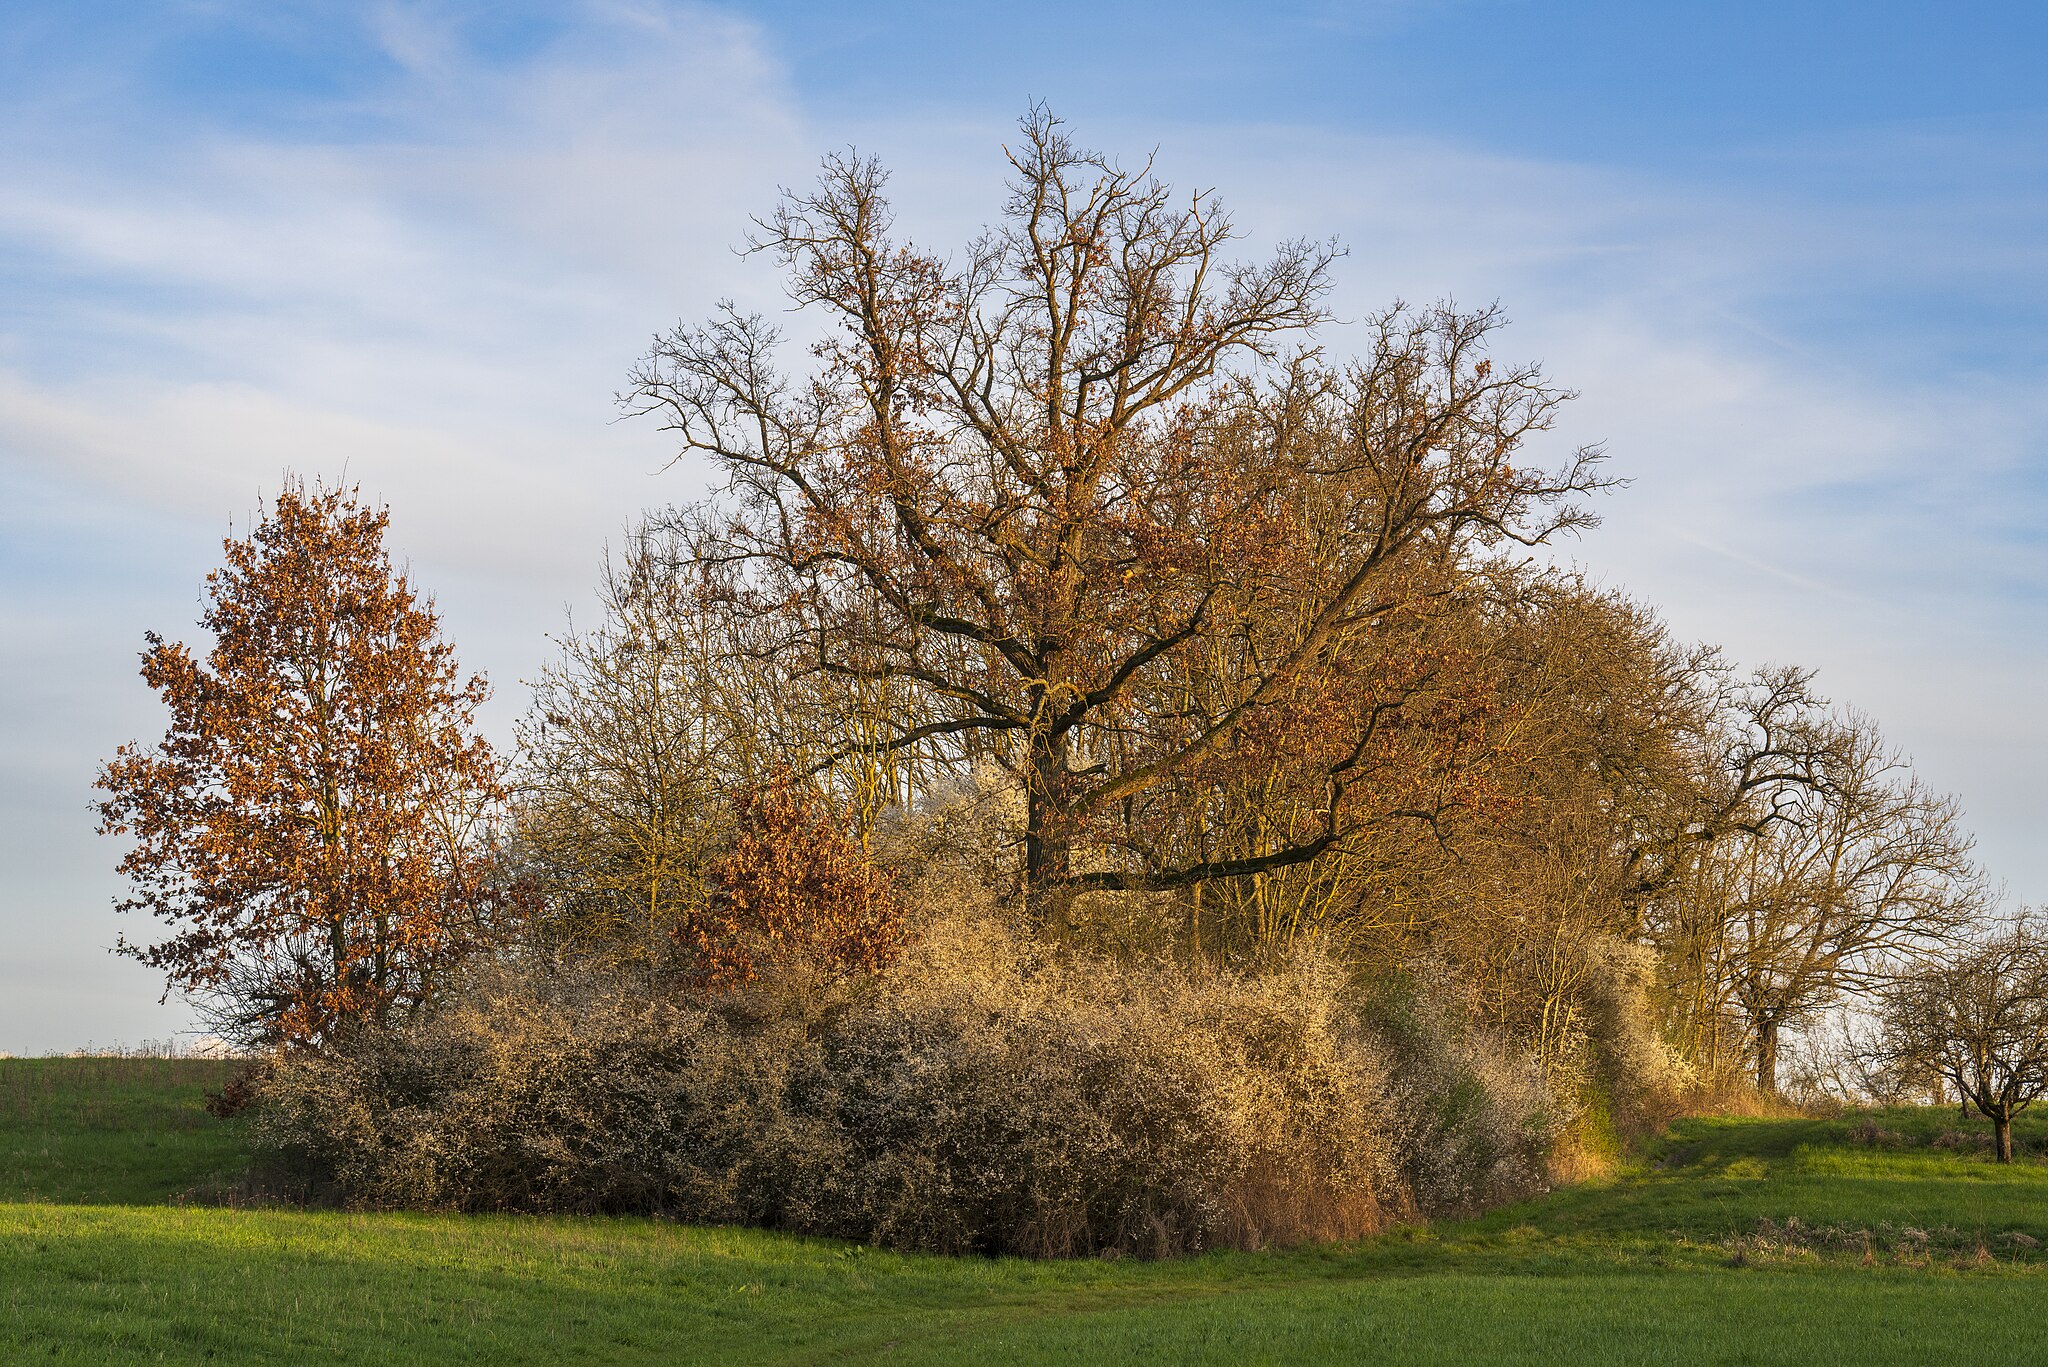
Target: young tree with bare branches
1976	1017
648	732
627	759
312	822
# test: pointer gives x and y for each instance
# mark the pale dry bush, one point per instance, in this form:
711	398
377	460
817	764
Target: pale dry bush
1088	1104
1737	1098
1624	1081
1643	1080
1475	1120
978	1096
565	1091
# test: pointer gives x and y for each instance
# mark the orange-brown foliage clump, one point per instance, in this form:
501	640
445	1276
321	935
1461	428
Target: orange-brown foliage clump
793	889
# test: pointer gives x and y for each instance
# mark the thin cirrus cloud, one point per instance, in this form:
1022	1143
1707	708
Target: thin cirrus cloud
430	279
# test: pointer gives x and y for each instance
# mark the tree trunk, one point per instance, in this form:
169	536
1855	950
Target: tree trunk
2003	1123
1046	865
1767	1056
1048	854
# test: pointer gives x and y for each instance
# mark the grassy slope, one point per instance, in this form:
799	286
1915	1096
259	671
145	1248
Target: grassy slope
1636	1270
125	1131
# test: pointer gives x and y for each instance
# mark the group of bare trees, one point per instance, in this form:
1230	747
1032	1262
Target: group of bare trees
1084	516
1078	541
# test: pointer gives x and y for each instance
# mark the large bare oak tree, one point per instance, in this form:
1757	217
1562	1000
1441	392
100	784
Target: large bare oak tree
1028	489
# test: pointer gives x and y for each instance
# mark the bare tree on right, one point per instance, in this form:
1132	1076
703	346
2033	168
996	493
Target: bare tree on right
1978	1019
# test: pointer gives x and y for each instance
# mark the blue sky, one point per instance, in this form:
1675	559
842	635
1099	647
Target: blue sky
1794	256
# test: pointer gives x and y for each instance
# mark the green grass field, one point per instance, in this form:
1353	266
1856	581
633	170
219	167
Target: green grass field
1857	1240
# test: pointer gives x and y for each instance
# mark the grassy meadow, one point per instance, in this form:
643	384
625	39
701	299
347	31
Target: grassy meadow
1864	1239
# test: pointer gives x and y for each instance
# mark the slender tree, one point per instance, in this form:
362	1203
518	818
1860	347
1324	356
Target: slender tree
311	823
645	735
626	765
1863	865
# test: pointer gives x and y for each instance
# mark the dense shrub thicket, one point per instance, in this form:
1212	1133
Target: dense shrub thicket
979	1096
1474	1121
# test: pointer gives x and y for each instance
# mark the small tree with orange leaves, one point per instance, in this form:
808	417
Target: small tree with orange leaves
792	889
311	821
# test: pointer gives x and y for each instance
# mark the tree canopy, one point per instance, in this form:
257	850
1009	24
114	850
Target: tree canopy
309	824
1086	502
